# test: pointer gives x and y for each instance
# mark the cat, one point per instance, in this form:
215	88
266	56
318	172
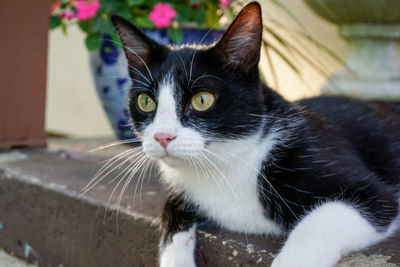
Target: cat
324	171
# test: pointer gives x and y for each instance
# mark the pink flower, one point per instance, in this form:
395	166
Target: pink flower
224	3
54	6
162	14
86	10
67	14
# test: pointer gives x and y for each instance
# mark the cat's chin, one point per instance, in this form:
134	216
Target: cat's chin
173	161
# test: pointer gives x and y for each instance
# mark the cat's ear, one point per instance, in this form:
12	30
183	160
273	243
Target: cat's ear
241	43
137	46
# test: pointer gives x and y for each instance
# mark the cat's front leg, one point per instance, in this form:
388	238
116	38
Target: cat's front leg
324	235
178	234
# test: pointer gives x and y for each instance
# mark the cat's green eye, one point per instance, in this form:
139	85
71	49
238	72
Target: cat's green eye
202	101
145	103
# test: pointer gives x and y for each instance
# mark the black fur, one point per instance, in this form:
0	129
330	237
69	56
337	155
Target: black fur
343	149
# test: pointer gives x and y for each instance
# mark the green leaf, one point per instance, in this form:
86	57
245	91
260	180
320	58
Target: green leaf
116	41
176	35
110	6
93	41
126	13
103	26
85	25
63	27
212	18
144	22
199	15
184	12
54	22
153	2
135	2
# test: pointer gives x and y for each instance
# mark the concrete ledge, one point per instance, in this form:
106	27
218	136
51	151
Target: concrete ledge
43	220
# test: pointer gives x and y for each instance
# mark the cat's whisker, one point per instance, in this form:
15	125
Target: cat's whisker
137	155
129	174
140	73
146	168
225	161
233	138
269	183
196	170
141	59
140	87
204	169
210	172
196	162
107	165
145	84
131	166
117	59
151	171
140	176
230	164
183	63
220	173
98	179
271	117
205	76
195	51
115	143
127	182
132	170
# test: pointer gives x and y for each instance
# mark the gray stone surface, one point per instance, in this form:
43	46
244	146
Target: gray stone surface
7	260
43	219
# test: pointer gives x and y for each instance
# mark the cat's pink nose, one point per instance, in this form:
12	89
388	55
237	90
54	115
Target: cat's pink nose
164	138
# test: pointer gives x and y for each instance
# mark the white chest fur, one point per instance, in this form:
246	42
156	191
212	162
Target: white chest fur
225	186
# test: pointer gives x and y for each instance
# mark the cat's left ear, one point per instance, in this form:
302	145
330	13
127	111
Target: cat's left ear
240	46
137	46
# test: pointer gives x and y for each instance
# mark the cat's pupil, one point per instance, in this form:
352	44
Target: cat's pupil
202	99
147	100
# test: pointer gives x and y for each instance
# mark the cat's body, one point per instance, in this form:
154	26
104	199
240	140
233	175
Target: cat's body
234	153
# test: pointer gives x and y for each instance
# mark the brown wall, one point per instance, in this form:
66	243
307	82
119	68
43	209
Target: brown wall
23	57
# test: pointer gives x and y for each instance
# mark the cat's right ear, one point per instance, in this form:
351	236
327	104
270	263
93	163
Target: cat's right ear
137	45
241	43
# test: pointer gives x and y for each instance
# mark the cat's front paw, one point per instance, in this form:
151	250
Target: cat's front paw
282	261
180	252
303	258
178	260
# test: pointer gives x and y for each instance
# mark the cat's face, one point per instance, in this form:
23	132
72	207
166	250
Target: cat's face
185	99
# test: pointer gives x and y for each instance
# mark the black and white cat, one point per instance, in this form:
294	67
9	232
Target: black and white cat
232	152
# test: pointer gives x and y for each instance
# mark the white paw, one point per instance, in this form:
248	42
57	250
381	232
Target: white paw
179	253
303	259
324	235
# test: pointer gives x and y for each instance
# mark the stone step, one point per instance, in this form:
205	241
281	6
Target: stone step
44	220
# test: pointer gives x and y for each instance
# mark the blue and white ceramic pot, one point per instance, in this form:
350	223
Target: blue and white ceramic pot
109	69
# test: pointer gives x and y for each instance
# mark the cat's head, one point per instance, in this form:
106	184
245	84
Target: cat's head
185	99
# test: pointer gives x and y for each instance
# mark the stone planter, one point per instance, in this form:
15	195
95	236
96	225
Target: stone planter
109	69
372	31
